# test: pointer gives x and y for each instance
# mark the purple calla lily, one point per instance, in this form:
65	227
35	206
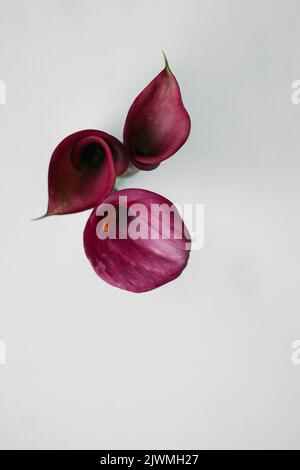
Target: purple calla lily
82	171
140	263
157	124
134	239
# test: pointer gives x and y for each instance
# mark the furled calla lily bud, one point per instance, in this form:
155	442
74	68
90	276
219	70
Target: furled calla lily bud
82	171
136	240
157	124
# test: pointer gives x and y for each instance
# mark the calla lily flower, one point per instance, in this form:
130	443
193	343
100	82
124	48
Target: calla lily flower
157	124
82	171
136	240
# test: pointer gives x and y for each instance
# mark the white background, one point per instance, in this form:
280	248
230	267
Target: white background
204	362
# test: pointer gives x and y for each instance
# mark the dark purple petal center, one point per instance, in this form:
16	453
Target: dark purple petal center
91	156
89	153
142	144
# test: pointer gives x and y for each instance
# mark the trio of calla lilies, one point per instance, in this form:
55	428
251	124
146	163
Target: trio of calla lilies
82	175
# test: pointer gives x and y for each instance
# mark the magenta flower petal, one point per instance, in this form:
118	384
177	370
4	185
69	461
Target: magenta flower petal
137	264
119	153
82	171
157	124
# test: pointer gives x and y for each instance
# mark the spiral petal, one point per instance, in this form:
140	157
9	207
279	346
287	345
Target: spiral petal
82	171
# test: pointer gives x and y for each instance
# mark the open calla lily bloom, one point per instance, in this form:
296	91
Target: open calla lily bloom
82	171
136	240
157	124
